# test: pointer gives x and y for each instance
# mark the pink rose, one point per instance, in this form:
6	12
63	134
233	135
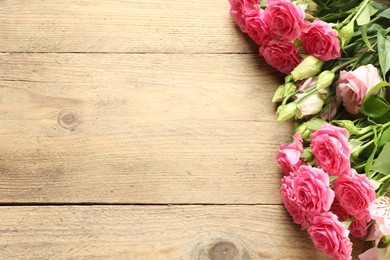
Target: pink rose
256	27
281	55
288	198
240	9
309	190
320	40
339	211
352	86
330	236
358	228
330	148
289	155
284	19
355	192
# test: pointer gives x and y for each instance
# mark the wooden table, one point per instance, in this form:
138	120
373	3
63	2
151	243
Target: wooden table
138	129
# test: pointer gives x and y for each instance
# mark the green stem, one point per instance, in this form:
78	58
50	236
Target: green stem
384	178
361	8
342	65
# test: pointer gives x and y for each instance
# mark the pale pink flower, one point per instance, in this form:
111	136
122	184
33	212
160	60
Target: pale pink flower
352	86
289	155
376	253
330	236
331	150
320	40
380	212
282	55
285	19
355	192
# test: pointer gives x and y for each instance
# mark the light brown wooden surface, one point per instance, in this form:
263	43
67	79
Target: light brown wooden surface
133	103
152	232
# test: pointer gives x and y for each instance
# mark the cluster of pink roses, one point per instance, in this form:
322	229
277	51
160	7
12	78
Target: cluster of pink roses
318	204
280	28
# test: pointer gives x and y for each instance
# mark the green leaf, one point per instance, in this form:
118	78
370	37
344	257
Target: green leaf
375	107
364	16
365	38
385	137
382	163
370	159
385	13
375	89
384	51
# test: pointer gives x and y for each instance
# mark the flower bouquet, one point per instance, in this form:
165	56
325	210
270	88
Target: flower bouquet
336	57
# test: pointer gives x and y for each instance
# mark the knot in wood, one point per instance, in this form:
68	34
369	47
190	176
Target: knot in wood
223	251
68	119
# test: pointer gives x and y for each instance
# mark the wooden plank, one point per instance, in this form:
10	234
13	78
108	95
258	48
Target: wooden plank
157	26
152	232
99	128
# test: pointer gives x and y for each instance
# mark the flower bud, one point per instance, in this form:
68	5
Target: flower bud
309	67
347	124
279	94
310	105
304	131
285	112
346	34
355	148
307	155
325	79
289	89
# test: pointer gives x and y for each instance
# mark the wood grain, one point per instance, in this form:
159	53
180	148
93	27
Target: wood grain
152	232
201	26
105	128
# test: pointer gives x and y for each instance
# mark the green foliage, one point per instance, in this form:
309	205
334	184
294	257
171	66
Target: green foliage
382	163
384	51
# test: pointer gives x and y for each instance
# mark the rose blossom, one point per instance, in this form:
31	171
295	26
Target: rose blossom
320	40
309	190
358	228
329	235
338	210
355	192
330	148
289	155
257	27
240	9
288	198
352	86
281	55
284	19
